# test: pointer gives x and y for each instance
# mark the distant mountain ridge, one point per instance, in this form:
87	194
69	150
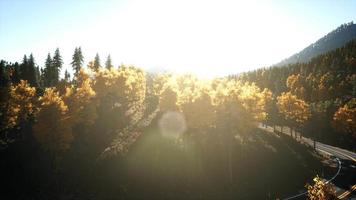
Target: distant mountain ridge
333	40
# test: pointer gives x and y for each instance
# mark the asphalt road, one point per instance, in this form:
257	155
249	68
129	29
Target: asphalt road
345	178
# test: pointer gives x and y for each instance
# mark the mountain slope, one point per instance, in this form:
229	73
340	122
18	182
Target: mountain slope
335	39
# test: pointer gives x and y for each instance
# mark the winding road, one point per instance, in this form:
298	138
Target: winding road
345	178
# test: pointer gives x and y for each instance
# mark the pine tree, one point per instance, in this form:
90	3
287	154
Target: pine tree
23	68
96	62
28	71
4	75
48	72
24	60
38	76
16	73
108	64
57	66
32	78
77	60
66	76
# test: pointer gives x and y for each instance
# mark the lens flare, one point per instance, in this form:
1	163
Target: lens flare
172	124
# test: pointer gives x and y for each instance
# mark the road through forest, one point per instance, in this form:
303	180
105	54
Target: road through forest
345	177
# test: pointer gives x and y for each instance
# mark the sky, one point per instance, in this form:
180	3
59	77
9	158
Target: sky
207	38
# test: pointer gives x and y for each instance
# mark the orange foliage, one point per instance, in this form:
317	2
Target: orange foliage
344	118
320	190
21	103
53	128
293	108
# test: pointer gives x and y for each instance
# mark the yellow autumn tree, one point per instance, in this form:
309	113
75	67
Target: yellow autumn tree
254	100
120	94
200	114
192	97
53	128
188	87
344	119
91	66
168	100
269	105
320	190
325	87
234	106
295	110
235	109
21	104
233	119
160	82
80	100
295	85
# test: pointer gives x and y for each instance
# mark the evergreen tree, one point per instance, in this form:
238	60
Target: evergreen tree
108	64
23	68
28	71
42	77
77	60
66	76
48	72
16	73
57	63
38	76
32	78
4	75
24	60
96	62
4	93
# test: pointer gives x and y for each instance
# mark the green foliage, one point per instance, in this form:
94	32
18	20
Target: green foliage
77	60
57	63
48	73
97	64
108	63
28	70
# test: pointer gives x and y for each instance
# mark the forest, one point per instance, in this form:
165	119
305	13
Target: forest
327	84
120	131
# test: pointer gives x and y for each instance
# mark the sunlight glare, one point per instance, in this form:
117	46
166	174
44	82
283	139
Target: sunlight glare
172	124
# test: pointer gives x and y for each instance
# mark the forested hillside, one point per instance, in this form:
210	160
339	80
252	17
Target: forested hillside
327	84
177	100
58	134
333	40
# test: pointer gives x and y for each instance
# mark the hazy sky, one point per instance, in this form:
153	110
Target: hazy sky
204	37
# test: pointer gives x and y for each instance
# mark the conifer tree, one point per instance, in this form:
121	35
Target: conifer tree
23	68
25	60
32	78
77	60
66	76
108	64
38	76
57	63
96	62
4	75
28	71
48	72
